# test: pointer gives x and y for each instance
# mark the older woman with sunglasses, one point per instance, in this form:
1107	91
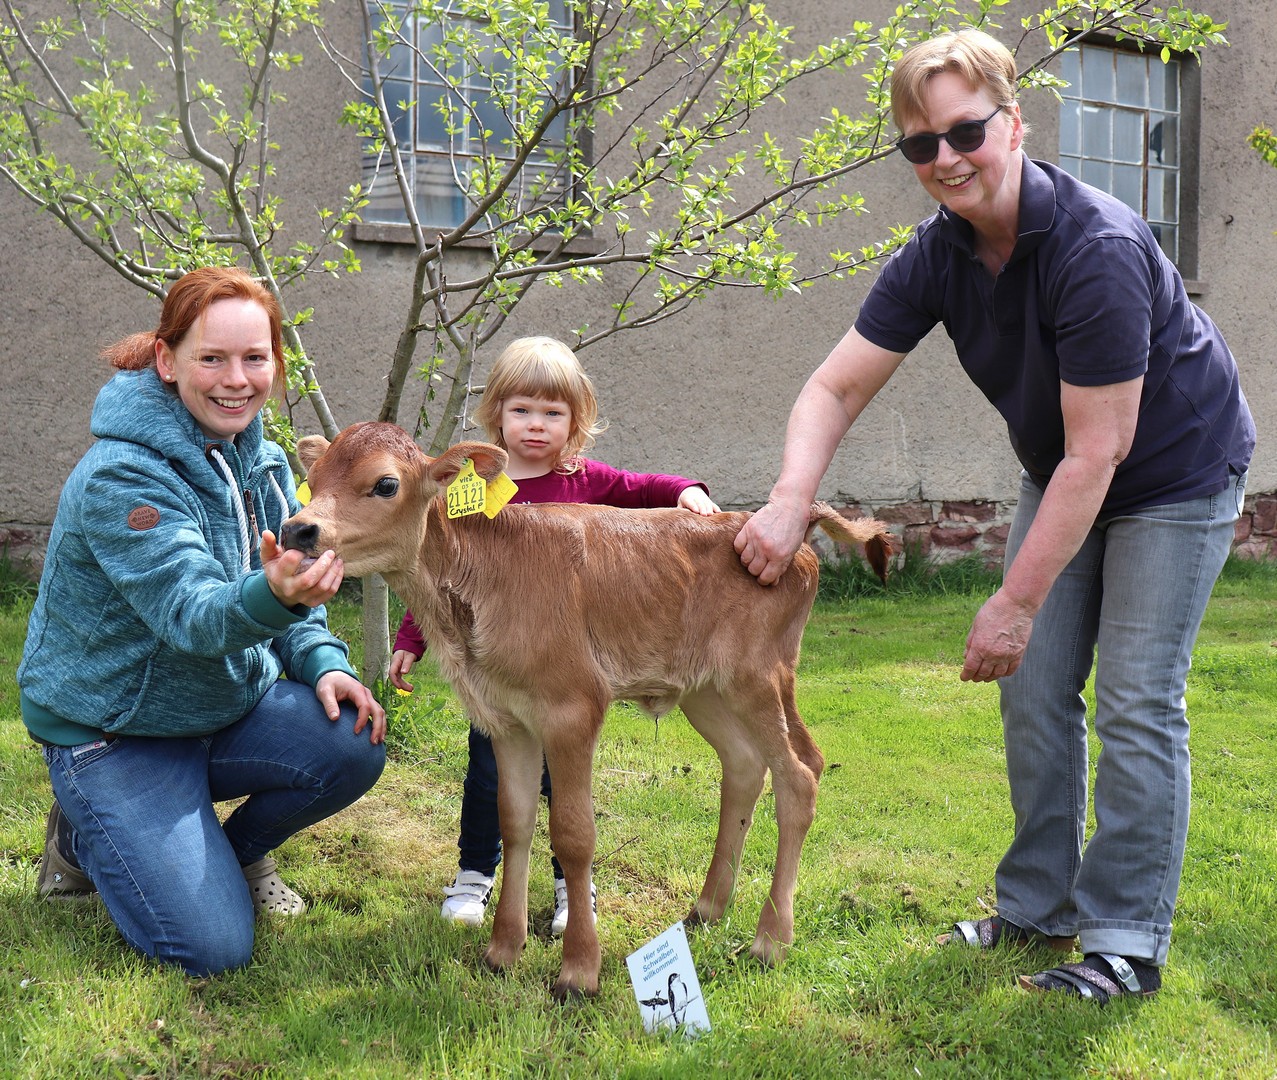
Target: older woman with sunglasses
1123	405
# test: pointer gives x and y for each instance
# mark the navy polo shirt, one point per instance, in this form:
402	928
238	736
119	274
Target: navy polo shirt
1087	298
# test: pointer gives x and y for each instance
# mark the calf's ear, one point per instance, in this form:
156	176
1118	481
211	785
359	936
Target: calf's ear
310	449
488	461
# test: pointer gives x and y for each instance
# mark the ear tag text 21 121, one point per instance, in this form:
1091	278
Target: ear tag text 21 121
469	493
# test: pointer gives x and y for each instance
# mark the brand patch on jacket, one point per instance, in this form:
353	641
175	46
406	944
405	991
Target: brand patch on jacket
143	518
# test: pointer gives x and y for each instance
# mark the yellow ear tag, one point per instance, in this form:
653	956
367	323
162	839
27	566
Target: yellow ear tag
500	492
467	494
303	493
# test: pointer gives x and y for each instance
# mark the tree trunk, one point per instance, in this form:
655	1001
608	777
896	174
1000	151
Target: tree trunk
376	630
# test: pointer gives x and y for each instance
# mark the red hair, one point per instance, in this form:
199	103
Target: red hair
187	301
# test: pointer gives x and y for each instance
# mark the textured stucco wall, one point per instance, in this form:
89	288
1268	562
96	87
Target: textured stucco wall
707	394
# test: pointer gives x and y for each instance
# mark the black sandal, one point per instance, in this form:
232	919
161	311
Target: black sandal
1091	983
987	933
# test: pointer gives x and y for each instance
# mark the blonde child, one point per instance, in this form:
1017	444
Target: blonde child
540	407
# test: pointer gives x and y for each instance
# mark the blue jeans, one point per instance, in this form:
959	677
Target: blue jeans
480	839
147	835
1132	601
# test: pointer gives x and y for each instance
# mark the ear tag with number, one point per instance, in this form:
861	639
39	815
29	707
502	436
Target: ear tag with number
500	491
467	494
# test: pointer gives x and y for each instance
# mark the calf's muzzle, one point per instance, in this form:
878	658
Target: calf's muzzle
299	536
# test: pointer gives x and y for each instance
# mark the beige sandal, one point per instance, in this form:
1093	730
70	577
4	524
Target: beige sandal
60	876
268	892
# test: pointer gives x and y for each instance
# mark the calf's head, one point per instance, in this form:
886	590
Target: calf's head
370	491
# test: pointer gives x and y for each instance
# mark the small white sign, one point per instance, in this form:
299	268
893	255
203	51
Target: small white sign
665	984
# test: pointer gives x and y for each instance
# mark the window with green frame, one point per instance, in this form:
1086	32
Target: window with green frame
1120	131
451	112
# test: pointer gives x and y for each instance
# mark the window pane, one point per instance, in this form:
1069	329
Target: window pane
1163	139
434	63
1163	85
1097	132
491	118
1156	203
1098	173
1132	79
556	135
1163	195
1128	136
384	201
1072	166
397	95
1169	179
490	68
1128	185
1071	127
1071	71
1168	237
1097	75
1171	79
439	200
436	123
397	63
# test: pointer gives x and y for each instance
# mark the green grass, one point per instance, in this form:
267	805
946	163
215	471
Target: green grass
913	816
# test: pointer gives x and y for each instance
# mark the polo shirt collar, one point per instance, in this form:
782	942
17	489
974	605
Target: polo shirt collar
1037	214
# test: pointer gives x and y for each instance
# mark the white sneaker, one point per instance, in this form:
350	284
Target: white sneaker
467	898
560	921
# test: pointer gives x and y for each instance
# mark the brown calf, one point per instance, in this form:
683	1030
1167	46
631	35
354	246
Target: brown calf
542	616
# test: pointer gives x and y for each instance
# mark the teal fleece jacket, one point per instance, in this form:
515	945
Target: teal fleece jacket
154	616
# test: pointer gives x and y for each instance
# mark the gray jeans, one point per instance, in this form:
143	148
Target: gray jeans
1131	603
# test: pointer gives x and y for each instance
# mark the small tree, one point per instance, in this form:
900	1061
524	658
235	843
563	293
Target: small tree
614	148
1264	142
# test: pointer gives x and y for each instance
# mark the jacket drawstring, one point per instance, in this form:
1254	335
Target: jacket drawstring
237	503
285	511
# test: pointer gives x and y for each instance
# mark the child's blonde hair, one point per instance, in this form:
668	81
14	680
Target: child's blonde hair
545	368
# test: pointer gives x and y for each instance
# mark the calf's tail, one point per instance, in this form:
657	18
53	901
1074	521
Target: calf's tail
878	542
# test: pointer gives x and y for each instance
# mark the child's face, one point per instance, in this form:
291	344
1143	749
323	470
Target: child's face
536	432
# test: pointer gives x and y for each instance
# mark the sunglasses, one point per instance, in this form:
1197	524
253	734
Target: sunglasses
922	148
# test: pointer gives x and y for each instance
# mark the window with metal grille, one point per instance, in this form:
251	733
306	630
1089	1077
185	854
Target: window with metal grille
1120	130
457	94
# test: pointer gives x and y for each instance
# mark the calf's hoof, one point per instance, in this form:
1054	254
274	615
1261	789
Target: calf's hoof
566	992
497	959
768	951
695	918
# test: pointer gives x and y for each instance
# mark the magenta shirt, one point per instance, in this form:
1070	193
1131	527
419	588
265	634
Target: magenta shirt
592	482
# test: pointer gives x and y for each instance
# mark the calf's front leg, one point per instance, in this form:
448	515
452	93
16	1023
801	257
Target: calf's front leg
569	753
518	756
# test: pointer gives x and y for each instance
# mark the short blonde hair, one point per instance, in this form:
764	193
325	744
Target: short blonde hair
983	61
545	368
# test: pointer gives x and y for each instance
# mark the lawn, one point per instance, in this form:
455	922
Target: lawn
913	815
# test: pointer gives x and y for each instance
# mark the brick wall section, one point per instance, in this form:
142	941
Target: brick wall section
1256	534
24	548
946	531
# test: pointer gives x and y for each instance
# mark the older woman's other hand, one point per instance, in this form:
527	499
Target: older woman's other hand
999	635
